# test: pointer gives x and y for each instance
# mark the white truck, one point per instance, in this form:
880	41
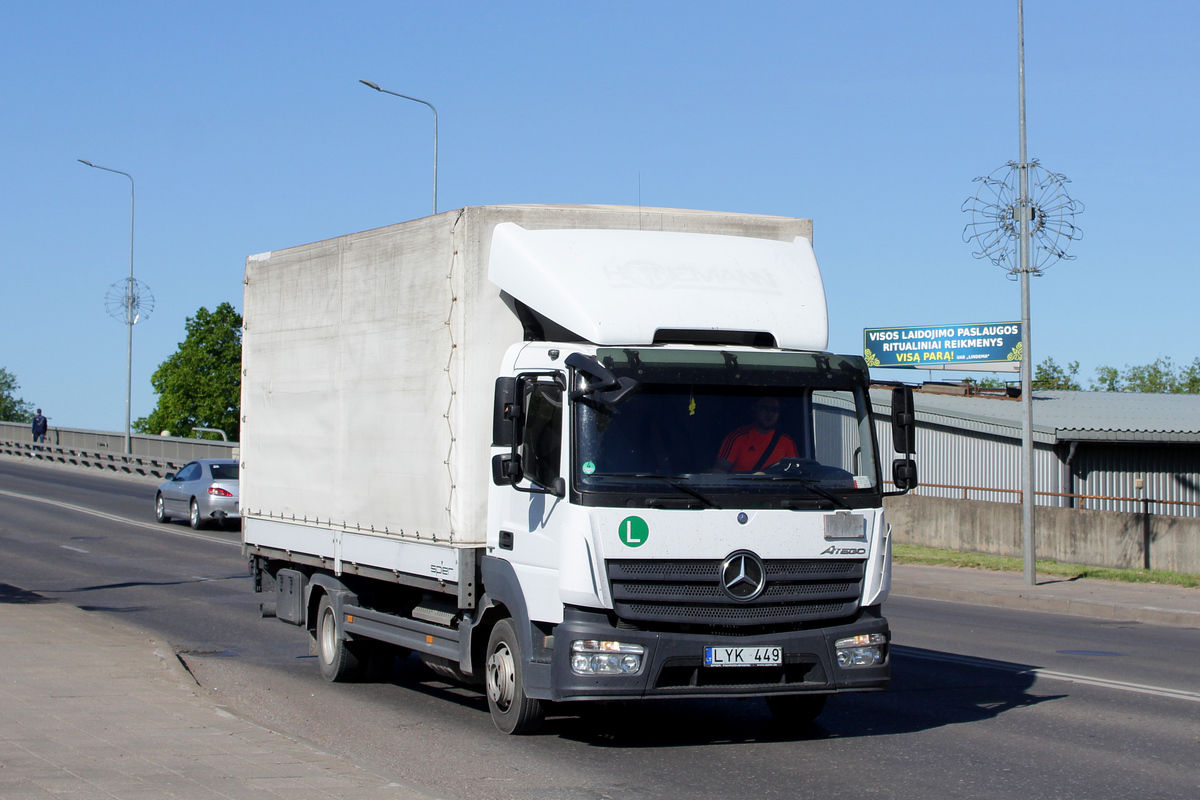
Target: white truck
570	453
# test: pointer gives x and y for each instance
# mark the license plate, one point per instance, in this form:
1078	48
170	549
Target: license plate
743	656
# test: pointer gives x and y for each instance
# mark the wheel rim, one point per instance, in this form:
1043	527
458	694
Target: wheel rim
158	506
501	677
195	513
328	636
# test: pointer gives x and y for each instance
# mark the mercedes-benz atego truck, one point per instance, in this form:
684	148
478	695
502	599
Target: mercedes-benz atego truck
569	453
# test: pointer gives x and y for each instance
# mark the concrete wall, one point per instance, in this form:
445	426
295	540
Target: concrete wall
1076	536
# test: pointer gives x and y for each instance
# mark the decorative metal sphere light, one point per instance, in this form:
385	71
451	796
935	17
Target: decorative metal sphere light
129	301
995	226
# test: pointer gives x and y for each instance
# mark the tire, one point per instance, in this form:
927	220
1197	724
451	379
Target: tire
339	664
512	711
797	709
194	518
160	509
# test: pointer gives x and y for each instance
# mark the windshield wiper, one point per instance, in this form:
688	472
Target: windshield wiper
807	483
674	484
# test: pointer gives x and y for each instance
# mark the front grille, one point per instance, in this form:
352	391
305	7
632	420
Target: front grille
690	592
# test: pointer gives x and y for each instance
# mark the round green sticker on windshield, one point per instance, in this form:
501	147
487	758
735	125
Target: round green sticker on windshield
634	531
588	468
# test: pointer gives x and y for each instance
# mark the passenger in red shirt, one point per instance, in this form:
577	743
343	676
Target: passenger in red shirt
742	450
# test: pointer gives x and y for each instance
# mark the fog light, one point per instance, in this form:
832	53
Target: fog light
596	657
864	650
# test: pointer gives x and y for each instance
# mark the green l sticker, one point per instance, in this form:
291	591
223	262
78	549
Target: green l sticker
634	531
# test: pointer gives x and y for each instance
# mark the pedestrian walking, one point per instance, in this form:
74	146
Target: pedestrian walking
40	424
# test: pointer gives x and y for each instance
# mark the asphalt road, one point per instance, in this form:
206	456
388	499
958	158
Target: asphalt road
965	716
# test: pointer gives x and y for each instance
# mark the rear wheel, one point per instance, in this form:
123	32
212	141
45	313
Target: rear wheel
512	711
194	518
160	509
797	709
338	662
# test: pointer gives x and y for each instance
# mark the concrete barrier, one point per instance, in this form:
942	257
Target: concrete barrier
153	456
1076	536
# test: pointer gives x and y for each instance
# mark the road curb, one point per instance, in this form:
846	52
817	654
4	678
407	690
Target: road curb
1050	605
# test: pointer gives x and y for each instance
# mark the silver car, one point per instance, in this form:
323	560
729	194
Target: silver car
204	490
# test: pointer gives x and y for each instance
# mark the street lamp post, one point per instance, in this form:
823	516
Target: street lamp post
129	306
1028	473
435	130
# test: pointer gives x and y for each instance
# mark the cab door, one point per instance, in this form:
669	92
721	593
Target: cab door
526	518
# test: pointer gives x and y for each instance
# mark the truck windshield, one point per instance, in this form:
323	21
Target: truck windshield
737	429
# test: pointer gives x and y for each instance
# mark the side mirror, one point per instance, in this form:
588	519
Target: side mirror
607	388
170	476
506	412
904	474
506	469
904	421
558	487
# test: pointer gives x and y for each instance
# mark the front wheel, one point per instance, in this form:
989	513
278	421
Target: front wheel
512	711
338	662
160	509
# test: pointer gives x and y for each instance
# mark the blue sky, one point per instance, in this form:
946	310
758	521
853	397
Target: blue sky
246	130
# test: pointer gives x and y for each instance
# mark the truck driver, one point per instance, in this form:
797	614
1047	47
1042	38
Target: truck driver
758	445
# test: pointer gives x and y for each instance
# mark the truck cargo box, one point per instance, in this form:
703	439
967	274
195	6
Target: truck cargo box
369	359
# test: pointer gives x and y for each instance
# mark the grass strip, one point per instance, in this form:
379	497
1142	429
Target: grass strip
937	556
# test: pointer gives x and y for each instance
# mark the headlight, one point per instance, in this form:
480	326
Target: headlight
595	657
864	650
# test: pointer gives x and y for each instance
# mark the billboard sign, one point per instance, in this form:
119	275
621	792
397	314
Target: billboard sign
986	346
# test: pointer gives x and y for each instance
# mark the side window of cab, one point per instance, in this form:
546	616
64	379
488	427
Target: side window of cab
541	446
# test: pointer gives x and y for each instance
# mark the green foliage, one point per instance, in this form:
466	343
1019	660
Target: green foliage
1049	375
200	384
1160	376
12	409
986	383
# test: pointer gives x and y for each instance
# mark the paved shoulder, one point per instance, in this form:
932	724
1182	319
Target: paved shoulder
90	707
1142	602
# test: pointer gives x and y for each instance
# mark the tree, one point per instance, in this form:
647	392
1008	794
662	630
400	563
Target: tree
200	384
1049	375
1160	376
12	409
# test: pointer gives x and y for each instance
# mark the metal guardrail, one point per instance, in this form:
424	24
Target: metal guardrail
109	463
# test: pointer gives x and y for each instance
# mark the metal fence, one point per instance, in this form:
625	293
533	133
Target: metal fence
1144	505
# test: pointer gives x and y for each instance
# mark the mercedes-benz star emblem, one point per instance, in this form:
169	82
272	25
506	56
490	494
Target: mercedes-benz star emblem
743	576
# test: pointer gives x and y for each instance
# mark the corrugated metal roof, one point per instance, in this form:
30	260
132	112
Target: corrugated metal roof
1068	416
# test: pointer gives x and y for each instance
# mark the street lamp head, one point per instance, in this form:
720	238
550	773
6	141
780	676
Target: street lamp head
81	161
372	85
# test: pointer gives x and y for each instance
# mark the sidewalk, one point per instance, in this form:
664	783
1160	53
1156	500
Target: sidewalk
1157	604
92	709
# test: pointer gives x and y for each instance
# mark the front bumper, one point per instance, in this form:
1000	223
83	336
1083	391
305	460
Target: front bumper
673	665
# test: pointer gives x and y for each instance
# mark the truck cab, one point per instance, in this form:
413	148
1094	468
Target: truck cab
651	565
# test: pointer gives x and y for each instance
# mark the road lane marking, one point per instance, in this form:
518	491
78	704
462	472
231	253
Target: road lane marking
1038	672
157	527
76	549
